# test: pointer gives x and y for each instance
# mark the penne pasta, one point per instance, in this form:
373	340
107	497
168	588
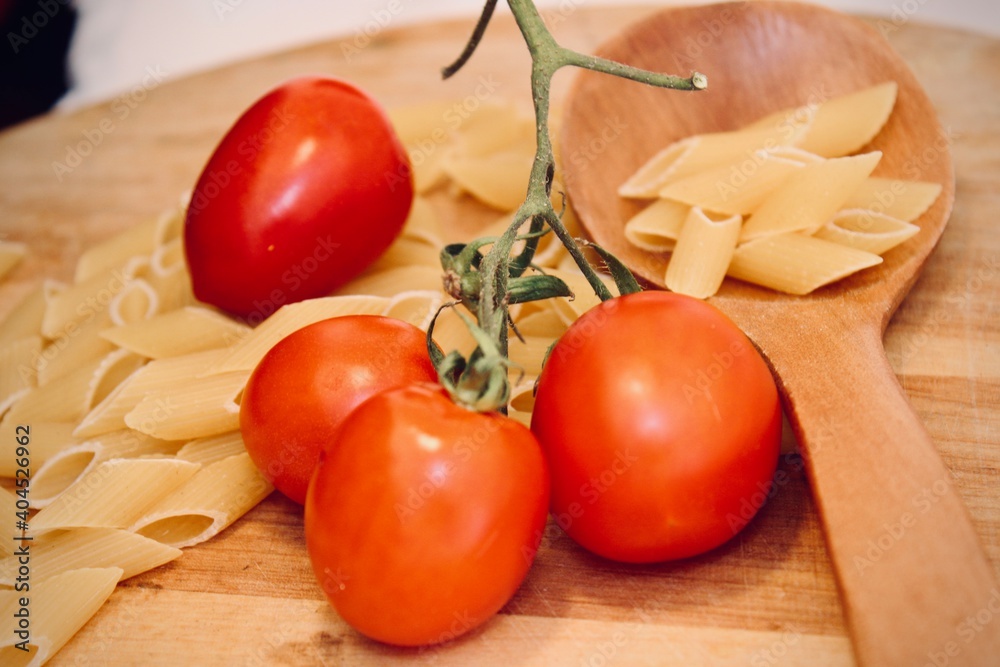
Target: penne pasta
59	607
810	196
406	251
499	180
25	319
734	189
11	254
84	300
866	230
198	407
423	224
212	448
796	263
656	227
18	369
903	200
208	503
157	375
186	330
245	355
62	401
77	345
699	153
47	440
704	249
387	283
844	124
115	494
417	307
61	551
116	251
67	466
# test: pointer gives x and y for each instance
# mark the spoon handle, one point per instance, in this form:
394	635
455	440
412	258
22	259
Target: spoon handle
916	585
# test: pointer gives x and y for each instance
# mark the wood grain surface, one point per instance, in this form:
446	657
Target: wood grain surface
768	597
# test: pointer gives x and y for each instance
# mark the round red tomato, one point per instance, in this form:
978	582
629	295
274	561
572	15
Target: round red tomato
307	384
661	424
423	517
308	188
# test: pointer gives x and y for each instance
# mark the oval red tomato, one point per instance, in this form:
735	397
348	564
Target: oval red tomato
307	189
423	517
661	424
307	384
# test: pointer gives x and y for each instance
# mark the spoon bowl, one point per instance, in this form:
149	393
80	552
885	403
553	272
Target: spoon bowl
869	460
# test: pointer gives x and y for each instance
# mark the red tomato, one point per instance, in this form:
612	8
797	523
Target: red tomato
423	517
308	188
661	424
307	384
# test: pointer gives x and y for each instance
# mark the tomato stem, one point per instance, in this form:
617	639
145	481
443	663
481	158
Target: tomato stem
499	271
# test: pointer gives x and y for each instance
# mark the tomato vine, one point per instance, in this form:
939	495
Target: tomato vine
488	284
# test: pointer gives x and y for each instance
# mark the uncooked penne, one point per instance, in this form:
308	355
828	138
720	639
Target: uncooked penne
47	440
117	250
58	608
115	494
206	504
11	254
704	249
245	355
67	466
866	230
903	200
656	227
18	368
25	318
796	263
810	196
66	550
212	448
178	332
197	407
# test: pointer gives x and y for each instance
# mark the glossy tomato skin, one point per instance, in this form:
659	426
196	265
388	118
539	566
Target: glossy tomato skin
308	188
661	424
308	383
423	517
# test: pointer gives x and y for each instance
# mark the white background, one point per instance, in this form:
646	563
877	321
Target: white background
116	40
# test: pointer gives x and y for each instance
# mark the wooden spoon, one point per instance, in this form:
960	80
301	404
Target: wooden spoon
909	564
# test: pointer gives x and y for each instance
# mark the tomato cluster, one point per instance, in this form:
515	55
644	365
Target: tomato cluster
655	418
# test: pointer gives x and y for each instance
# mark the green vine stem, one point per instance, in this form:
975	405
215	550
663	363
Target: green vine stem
492	287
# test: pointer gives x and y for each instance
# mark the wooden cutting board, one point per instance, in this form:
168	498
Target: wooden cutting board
248	597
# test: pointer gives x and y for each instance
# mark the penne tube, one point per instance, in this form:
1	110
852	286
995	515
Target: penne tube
866	230
83	300
903	200
212	448
78	344
734	189
62	401
187	330
66	467
116	251
498	180
47	440
115	494
529	353
810	196
59	607
392	281
8	507
656	227
206	504
157	375
424	225
198	407
796	263
11	254
245	355
25	318
417	307
137	301
62	551
18	369
704	249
